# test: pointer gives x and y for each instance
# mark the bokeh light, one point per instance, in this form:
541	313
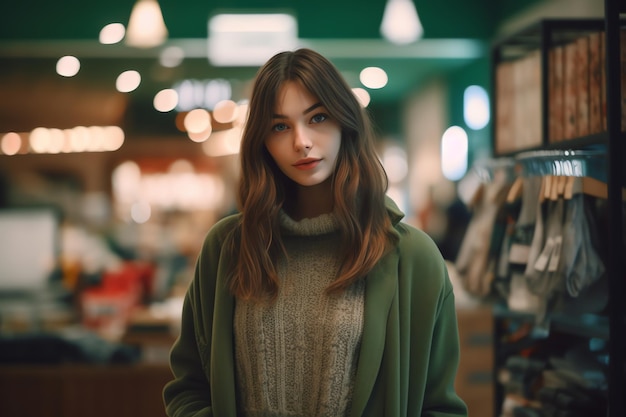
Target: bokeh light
128	81
68	66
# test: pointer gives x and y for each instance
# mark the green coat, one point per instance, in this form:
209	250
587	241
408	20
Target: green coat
409	351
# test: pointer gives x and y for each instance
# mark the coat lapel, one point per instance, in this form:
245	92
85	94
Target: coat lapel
380	289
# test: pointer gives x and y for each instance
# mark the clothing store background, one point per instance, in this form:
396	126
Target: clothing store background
87	332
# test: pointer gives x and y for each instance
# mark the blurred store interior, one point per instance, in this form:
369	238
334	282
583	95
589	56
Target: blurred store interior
116	157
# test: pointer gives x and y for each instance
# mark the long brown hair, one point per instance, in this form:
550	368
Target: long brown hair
359	181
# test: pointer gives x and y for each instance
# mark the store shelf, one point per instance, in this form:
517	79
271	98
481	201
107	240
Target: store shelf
538	139
584	325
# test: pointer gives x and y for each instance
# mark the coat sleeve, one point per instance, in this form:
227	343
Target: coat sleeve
441	399
189	393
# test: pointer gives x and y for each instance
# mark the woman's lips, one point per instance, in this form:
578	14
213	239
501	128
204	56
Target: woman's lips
306	164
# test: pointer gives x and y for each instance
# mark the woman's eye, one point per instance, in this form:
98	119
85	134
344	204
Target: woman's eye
318	118
279	127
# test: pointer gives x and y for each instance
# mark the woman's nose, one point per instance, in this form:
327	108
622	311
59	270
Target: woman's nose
302	139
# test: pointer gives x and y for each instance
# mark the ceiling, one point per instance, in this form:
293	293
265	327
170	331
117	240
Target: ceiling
34	34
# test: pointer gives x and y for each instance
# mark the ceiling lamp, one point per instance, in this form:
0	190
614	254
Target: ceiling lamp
400	24
146	28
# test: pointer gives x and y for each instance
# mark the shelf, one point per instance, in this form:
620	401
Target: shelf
543	32
585	325
548	87
595	141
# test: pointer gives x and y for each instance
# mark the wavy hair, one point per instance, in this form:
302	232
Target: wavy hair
359	182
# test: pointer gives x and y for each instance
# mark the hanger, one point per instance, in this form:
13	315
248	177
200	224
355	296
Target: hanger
515	192
552	187
547	187
555	186
589	186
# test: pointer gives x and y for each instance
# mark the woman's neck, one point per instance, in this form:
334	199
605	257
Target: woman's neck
310	202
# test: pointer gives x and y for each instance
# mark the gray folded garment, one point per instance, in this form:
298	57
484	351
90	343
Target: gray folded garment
544	275
567	263
582	265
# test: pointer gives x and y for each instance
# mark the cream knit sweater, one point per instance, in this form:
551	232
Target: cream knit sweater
297	356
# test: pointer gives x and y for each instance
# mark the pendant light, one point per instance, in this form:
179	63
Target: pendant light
401	24
146	28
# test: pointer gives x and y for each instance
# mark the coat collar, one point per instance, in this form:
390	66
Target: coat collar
395	214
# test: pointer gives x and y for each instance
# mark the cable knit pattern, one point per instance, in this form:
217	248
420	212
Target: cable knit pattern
297	356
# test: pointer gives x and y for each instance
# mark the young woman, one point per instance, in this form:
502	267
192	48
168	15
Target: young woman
314	300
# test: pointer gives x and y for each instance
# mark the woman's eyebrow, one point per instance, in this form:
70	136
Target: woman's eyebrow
307	110
313	107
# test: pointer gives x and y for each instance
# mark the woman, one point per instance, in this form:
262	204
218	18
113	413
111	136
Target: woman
314	300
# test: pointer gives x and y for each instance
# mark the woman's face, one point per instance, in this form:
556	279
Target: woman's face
304	140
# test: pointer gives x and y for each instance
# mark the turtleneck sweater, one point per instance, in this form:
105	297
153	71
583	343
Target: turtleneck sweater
297	356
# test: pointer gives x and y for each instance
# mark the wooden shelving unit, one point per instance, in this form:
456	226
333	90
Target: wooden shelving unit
538	40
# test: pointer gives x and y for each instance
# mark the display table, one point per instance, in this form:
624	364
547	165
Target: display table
82	390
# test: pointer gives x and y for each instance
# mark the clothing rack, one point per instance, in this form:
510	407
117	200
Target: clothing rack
570	163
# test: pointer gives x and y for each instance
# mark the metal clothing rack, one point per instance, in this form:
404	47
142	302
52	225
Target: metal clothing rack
570	163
